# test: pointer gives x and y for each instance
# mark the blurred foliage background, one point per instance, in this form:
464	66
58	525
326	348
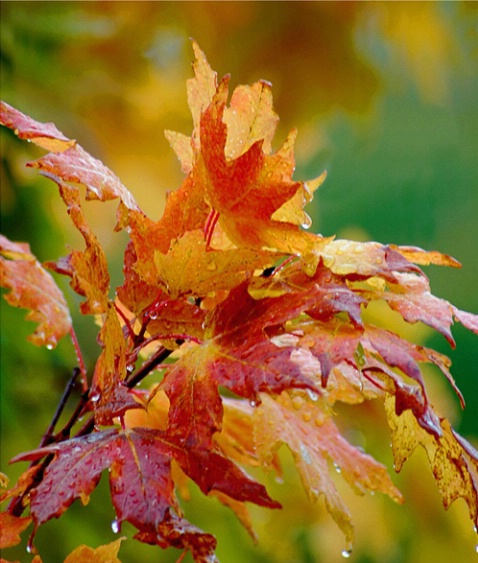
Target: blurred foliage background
384	97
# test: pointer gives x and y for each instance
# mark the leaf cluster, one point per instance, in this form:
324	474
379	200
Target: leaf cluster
255	325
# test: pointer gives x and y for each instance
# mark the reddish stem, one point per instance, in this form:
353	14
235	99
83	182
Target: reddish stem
79	357
129	328
211	221
283	265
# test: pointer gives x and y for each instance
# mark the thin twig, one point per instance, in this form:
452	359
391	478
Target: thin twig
155	360
48	436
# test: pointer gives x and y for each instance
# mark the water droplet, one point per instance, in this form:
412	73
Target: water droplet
305	454
115	526
153	316
312	395
339	470
306	416
346	553
297	402
130	368
49	346
95	397
128	229
253	403
279	480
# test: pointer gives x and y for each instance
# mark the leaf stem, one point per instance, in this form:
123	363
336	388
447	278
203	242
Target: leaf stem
79	357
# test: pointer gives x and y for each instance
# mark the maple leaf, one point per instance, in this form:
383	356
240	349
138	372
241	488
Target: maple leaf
135	293
358	260
110	396
190	268
45	135
68	160
10	529
32	287
246	191
88	269
140	481
142	489
102	554
313	440
238	355
228	162
453	460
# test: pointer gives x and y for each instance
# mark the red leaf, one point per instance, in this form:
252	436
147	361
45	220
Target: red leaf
140	483
140	480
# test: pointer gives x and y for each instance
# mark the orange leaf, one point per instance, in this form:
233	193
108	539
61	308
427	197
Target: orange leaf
10	529
88	269
190	268
32	287
102	554
426	257
110	396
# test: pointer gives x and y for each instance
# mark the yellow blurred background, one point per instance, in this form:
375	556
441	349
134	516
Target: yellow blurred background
384	97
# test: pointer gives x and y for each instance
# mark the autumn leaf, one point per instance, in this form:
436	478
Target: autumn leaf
88	269
191	268
426	257
250	117
140	481
245	192
32	287
238	355
454	462
10	529
139	462
314	440
110	396
68	160
45	135
102	554
358	260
